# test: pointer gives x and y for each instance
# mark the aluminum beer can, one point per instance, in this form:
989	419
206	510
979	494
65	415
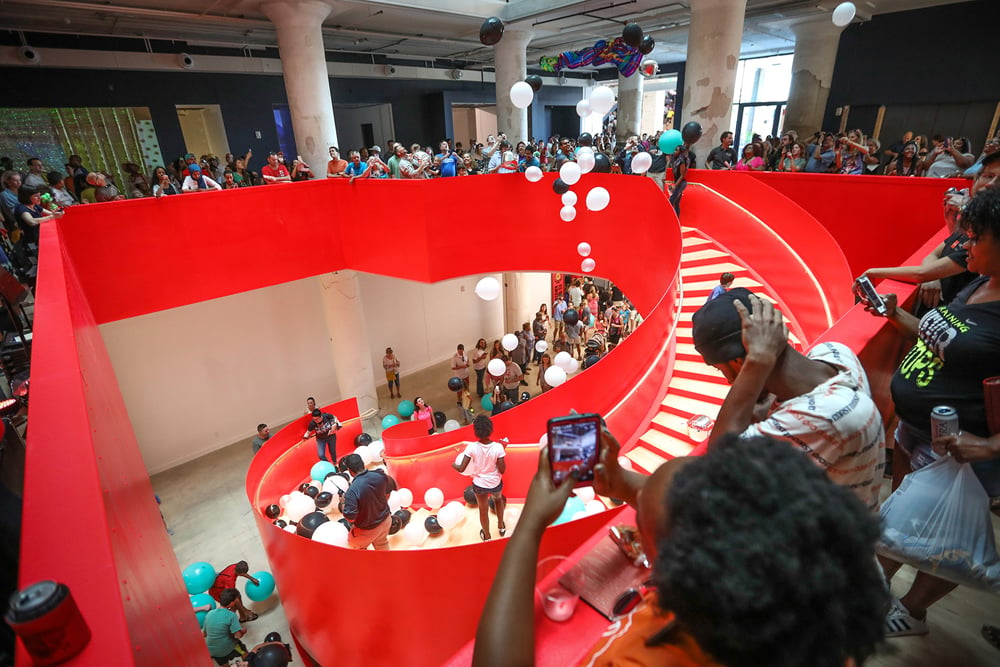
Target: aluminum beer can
46	618
944	421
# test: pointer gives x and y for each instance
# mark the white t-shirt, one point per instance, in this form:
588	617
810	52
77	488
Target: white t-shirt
837	424
483	463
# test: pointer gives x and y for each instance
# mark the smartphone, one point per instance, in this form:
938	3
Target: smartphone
574	444
865	291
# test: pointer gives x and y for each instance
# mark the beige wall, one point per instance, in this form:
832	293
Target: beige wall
201	377
523	293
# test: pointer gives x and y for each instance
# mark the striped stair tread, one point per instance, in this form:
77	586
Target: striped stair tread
646	459
686	386
674	426
689	407
702	255
693	286
694	242
697	368
666	444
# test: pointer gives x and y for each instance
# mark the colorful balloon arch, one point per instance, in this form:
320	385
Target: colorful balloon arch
626	58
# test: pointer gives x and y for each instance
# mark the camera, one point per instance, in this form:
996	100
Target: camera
574	446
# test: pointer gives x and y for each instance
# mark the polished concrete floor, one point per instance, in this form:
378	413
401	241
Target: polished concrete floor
205	505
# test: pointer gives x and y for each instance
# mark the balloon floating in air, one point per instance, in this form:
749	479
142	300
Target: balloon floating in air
583	108
602	164
598	199
649	68
583	248
691	132
641	162
632	35
533	174
588	265
534	81
647	45
541	346
455	384
601	100
844	14
567	213
509	342
585	139
569	198
569	173
571	317
560	187
488	289
669	141
521	95
555	376
586	160
491	31
497	367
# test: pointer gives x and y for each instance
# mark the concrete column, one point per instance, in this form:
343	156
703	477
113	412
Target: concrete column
629	105
816	44
710	81
307	83
345	316
510	57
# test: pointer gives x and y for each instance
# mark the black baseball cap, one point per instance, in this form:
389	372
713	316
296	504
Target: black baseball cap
717	329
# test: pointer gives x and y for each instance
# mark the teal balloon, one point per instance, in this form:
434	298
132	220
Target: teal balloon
262	591
201	600
487	403
390	420
669	141
406	409
198	577
572	506
321	469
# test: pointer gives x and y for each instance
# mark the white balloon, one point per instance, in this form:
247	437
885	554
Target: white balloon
586	160
283	501
569	198
509	342
299	506
583	248
585	493
434	497
393	501
844	14
496	367
588	265
555	376
602	99
414	532
315	482
405	497
574	366
569	173
340	483
567	213
378	448
364	453
625	462
562	360
641	162
447	517
541	346
290	529
533	174
583	108
598	199
451	425
330	486
521	94
594	506
488	289
331	532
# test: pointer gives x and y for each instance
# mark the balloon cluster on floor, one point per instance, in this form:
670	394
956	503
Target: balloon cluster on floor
199	577
623	52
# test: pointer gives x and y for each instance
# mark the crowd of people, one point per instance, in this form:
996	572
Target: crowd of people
853	152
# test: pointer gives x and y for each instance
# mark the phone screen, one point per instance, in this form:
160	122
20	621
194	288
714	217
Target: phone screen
865	291
574	443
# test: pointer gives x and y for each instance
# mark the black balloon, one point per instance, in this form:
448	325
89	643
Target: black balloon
303	486
271	655
571	317
324	499
505	406
534	81
525	396
585	139
602	164
559	186
491	31
646	45
272	512
432	526
632	35
280	523
440	418
399	519
272	637
309	523
362	439
311	491
455	384
470	496
691	132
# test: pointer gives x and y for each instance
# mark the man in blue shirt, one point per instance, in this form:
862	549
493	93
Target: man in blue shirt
822	156
355	166
366	505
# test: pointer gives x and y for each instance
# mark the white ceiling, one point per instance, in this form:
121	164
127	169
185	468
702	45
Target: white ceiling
425	29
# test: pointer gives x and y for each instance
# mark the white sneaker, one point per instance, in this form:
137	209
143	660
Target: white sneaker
899	622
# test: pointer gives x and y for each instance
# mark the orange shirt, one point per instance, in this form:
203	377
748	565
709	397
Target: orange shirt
336	167
624	642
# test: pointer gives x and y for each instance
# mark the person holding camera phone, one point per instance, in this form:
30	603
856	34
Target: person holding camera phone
715	600
850	153
949	157
488	465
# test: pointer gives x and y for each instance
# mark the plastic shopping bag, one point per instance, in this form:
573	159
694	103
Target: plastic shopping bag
938	521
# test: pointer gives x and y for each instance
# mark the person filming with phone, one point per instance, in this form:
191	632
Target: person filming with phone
758	558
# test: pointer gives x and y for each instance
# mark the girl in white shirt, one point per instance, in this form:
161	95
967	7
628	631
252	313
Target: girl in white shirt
488	464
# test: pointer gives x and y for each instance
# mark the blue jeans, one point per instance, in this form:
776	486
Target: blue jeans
323	444
917	444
